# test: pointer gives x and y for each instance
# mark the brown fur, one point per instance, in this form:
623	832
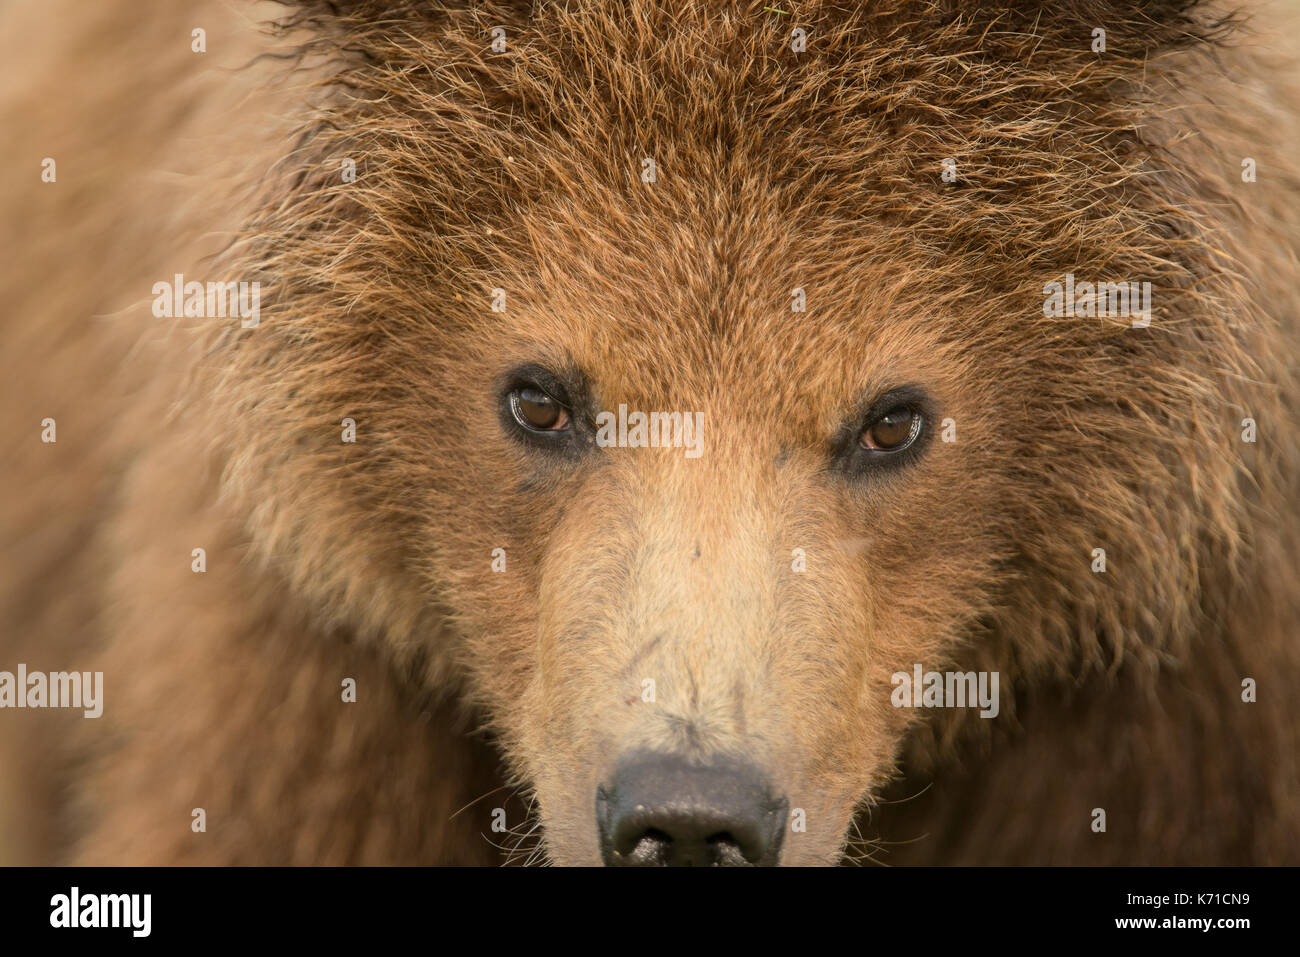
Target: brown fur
778	170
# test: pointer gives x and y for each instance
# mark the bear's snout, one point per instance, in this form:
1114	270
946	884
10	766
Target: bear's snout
663	810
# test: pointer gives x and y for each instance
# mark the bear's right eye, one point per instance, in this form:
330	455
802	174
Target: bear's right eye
536	410
545	410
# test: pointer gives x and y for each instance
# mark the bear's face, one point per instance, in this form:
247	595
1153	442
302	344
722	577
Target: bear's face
891	454
739	602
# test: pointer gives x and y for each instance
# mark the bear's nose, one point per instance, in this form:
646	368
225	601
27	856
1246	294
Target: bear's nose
662	810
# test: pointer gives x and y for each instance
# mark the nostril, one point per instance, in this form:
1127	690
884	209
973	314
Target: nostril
652	848
663	810
728	852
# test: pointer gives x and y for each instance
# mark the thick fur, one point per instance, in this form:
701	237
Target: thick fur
521	171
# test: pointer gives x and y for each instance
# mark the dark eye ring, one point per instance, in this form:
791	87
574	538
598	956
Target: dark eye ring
893	431
537	411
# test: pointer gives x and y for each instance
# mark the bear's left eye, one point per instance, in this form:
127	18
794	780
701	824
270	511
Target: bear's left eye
892	432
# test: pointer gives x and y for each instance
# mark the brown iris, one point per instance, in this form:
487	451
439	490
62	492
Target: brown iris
534	409
893	431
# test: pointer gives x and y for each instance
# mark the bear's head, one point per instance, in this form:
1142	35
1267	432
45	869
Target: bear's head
705	375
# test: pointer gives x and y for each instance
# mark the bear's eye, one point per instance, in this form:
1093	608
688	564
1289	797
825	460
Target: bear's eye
892	432
537	411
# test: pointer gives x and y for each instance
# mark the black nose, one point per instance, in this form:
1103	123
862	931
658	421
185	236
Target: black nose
662	810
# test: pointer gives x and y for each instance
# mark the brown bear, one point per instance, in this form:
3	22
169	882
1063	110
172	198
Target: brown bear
650	433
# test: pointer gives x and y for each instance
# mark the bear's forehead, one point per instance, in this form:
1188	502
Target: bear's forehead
672	303
692	184
678	200
719	321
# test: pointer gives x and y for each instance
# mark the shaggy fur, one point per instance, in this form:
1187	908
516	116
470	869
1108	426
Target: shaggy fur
776	169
